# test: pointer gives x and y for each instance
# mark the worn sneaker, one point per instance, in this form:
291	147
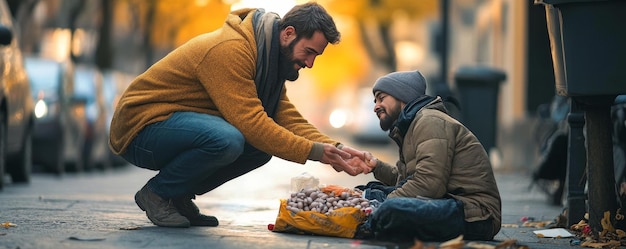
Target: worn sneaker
187	208
160	211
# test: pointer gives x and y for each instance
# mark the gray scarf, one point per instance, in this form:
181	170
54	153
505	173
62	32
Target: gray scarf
268	83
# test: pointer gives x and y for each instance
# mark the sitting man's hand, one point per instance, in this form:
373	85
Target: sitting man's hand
363	160
337	159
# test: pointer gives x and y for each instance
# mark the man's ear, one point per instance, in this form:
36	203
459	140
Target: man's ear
287	35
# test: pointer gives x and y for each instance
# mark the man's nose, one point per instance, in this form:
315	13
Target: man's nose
376	108
309	61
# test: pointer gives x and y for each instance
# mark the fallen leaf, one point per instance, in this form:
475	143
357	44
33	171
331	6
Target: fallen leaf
417	245
510	243
579	226
607	226
8	224
456	243
537	224
507	244
420	245
618	215
592	244
476	245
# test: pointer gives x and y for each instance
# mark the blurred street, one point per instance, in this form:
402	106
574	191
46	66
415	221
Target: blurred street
66	64
97	210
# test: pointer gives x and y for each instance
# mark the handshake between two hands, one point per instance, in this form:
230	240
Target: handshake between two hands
349	160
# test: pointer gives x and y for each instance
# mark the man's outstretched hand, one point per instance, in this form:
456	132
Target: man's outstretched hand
362	160
338	160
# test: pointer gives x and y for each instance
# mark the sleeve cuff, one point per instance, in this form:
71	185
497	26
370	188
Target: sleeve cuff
316	152
378	167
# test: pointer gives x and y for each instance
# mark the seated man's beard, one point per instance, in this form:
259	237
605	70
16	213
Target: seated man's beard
386	123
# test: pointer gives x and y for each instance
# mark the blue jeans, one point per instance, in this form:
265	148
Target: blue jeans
406	219
194	154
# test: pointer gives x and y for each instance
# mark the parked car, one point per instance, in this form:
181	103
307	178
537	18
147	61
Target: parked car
115	84
16	105
60	122
89	86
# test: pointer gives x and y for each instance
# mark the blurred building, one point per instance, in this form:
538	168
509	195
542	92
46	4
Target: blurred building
509	35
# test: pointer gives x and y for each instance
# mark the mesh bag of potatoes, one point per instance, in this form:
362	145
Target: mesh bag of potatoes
330	211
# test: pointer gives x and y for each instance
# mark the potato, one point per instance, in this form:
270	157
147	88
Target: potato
317	201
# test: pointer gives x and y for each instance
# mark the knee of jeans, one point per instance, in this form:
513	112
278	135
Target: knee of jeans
265	159
232	147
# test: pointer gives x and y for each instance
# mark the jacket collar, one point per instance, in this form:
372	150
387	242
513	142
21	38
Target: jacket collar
409	112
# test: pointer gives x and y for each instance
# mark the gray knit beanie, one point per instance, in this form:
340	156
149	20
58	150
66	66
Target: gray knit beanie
404	86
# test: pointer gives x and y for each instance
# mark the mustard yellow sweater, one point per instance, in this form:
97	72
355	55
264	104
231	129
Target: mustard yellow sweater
214	74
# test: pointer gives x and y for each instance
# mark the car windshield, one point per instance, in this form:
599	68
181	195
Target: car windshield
109	87
44	75
84	85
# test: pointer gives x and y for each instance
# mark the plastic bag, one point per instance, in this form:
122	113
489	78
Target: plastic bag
304	181
341	222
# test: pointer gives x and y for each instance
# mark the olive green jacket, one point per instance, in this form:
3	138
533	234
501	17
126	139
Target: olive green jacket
443	159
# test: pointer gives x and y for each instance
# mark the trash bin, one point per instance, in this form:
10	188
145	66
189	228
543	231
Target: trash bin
478	88
587	42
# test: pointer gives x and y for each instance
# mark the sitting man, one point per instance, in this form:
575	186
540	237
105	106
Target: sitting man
443	184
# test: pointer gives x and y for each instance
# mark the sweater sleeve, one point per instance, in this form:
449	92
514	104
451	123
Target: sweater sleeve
229	83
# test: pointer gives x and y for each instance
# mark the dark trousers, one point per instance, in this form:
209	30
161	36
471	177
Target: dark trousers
407	219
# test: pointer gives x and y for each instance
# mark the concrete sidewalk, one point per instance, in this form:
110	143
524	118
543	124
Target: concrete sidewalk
96	210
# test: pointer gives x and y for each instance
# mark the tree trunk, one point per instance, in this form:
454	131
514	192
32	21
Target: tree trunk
104	51
147	36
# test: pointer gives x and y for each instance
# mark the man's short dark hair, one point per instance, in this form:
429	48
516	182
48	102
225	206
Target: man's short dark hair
308	18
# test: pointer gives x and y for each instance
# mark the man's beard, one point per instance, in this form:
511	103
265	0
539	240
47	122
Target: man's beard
390	117
286	64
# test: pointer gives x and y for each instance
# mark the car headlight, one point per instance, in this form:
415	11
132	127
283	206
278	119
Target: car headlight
46	108
41	109
338	118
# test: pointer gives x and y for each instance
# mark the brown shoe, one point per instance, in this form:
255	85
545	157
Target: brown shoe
187	208
161	212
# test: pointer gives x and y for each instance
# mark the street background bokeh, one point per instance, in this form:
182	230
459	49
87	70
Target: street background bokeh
122	38
436	37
